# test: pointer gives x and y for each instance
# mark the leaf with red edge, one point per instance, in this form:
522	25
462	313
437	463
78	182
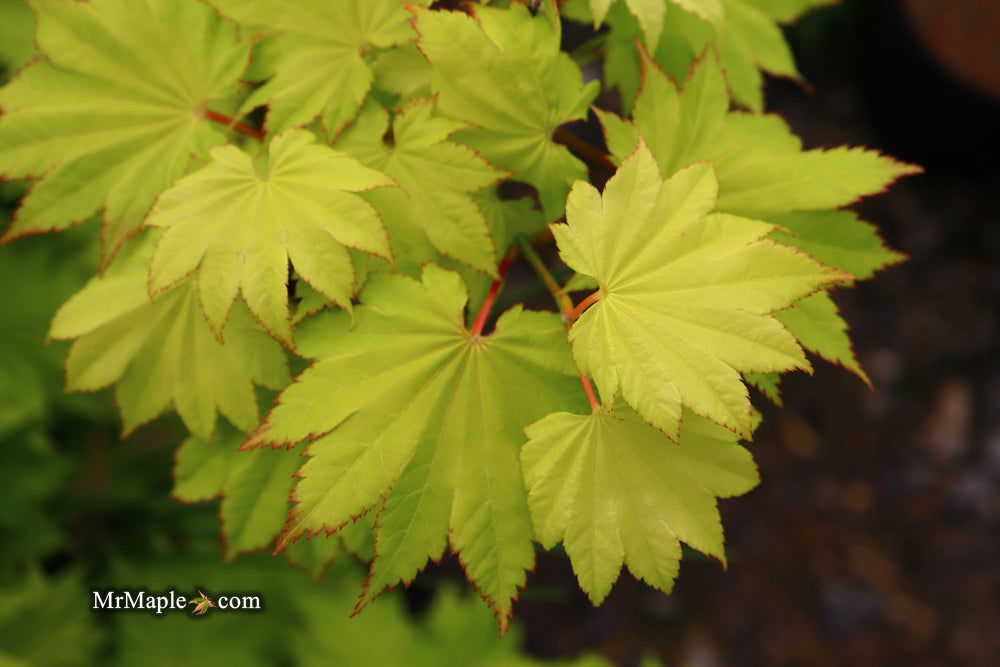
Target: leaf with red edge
514	97
108	120
436	178
162	353
240	220
314	58
615	490
412	414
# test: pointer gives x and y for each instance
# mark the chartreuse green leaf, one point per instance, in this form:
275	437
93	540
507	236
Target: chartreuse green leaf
17	26
114	112
650	13
201	467
759	162
435	177
615	490
744	33
240	220
162	353
314	57
520	91
817	325
685	297
837	238
254	487
764	173
786	11
255	499
413	415
768	384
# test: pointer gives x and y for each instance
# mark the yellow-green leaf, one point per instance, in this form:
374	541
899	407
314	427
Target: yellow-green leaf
685	297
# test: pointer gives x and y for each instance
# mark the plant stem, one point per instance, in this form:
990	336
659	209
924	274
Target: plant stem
229	122
584	150
588	389
575	314
562	300
491	296
569	313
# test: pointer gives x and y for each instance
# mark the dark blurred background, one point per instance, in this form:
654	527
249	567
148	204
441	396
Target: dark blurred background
873	538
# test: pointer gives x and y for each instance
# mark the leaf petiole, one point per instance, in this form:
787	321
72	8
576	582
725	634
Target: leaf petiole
242	128
563	301
491	296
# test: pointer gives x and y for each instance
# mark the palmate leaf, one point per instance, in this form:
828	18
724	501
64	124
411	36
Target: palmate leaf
114	112
787	11
837	238
421	419
746	34
314	55
685	297
764	173
241	220
650	13
521	89
817	325
759	162
162	353
435	177
615	490
254	487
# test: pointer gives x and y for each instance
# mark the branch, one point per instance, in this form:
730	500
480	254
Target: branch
230	122
562	300
491	296
569	313
589	153
575	313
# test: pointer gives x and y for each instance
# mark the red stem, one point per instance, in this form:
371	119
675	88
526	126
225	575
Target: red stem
491	296
588	389
575	314
229	122
591	153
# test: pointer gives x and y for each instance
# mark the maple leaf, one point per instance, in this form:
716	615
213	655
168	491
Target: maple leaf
684	299
255	499
162	352
614	490
241	220
436	177
515	97
650	13
254	487
202	603
759	162
816	323
746	35
768	384
414	415
837	238
314	55
110	118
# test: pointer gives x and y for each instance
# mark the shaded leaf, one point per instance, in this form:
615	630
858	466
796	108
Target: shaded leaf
515	96
162	353
108	120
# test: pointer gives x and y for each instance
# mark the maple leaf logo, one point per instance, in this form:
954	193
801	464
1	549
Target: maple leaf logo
202	604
